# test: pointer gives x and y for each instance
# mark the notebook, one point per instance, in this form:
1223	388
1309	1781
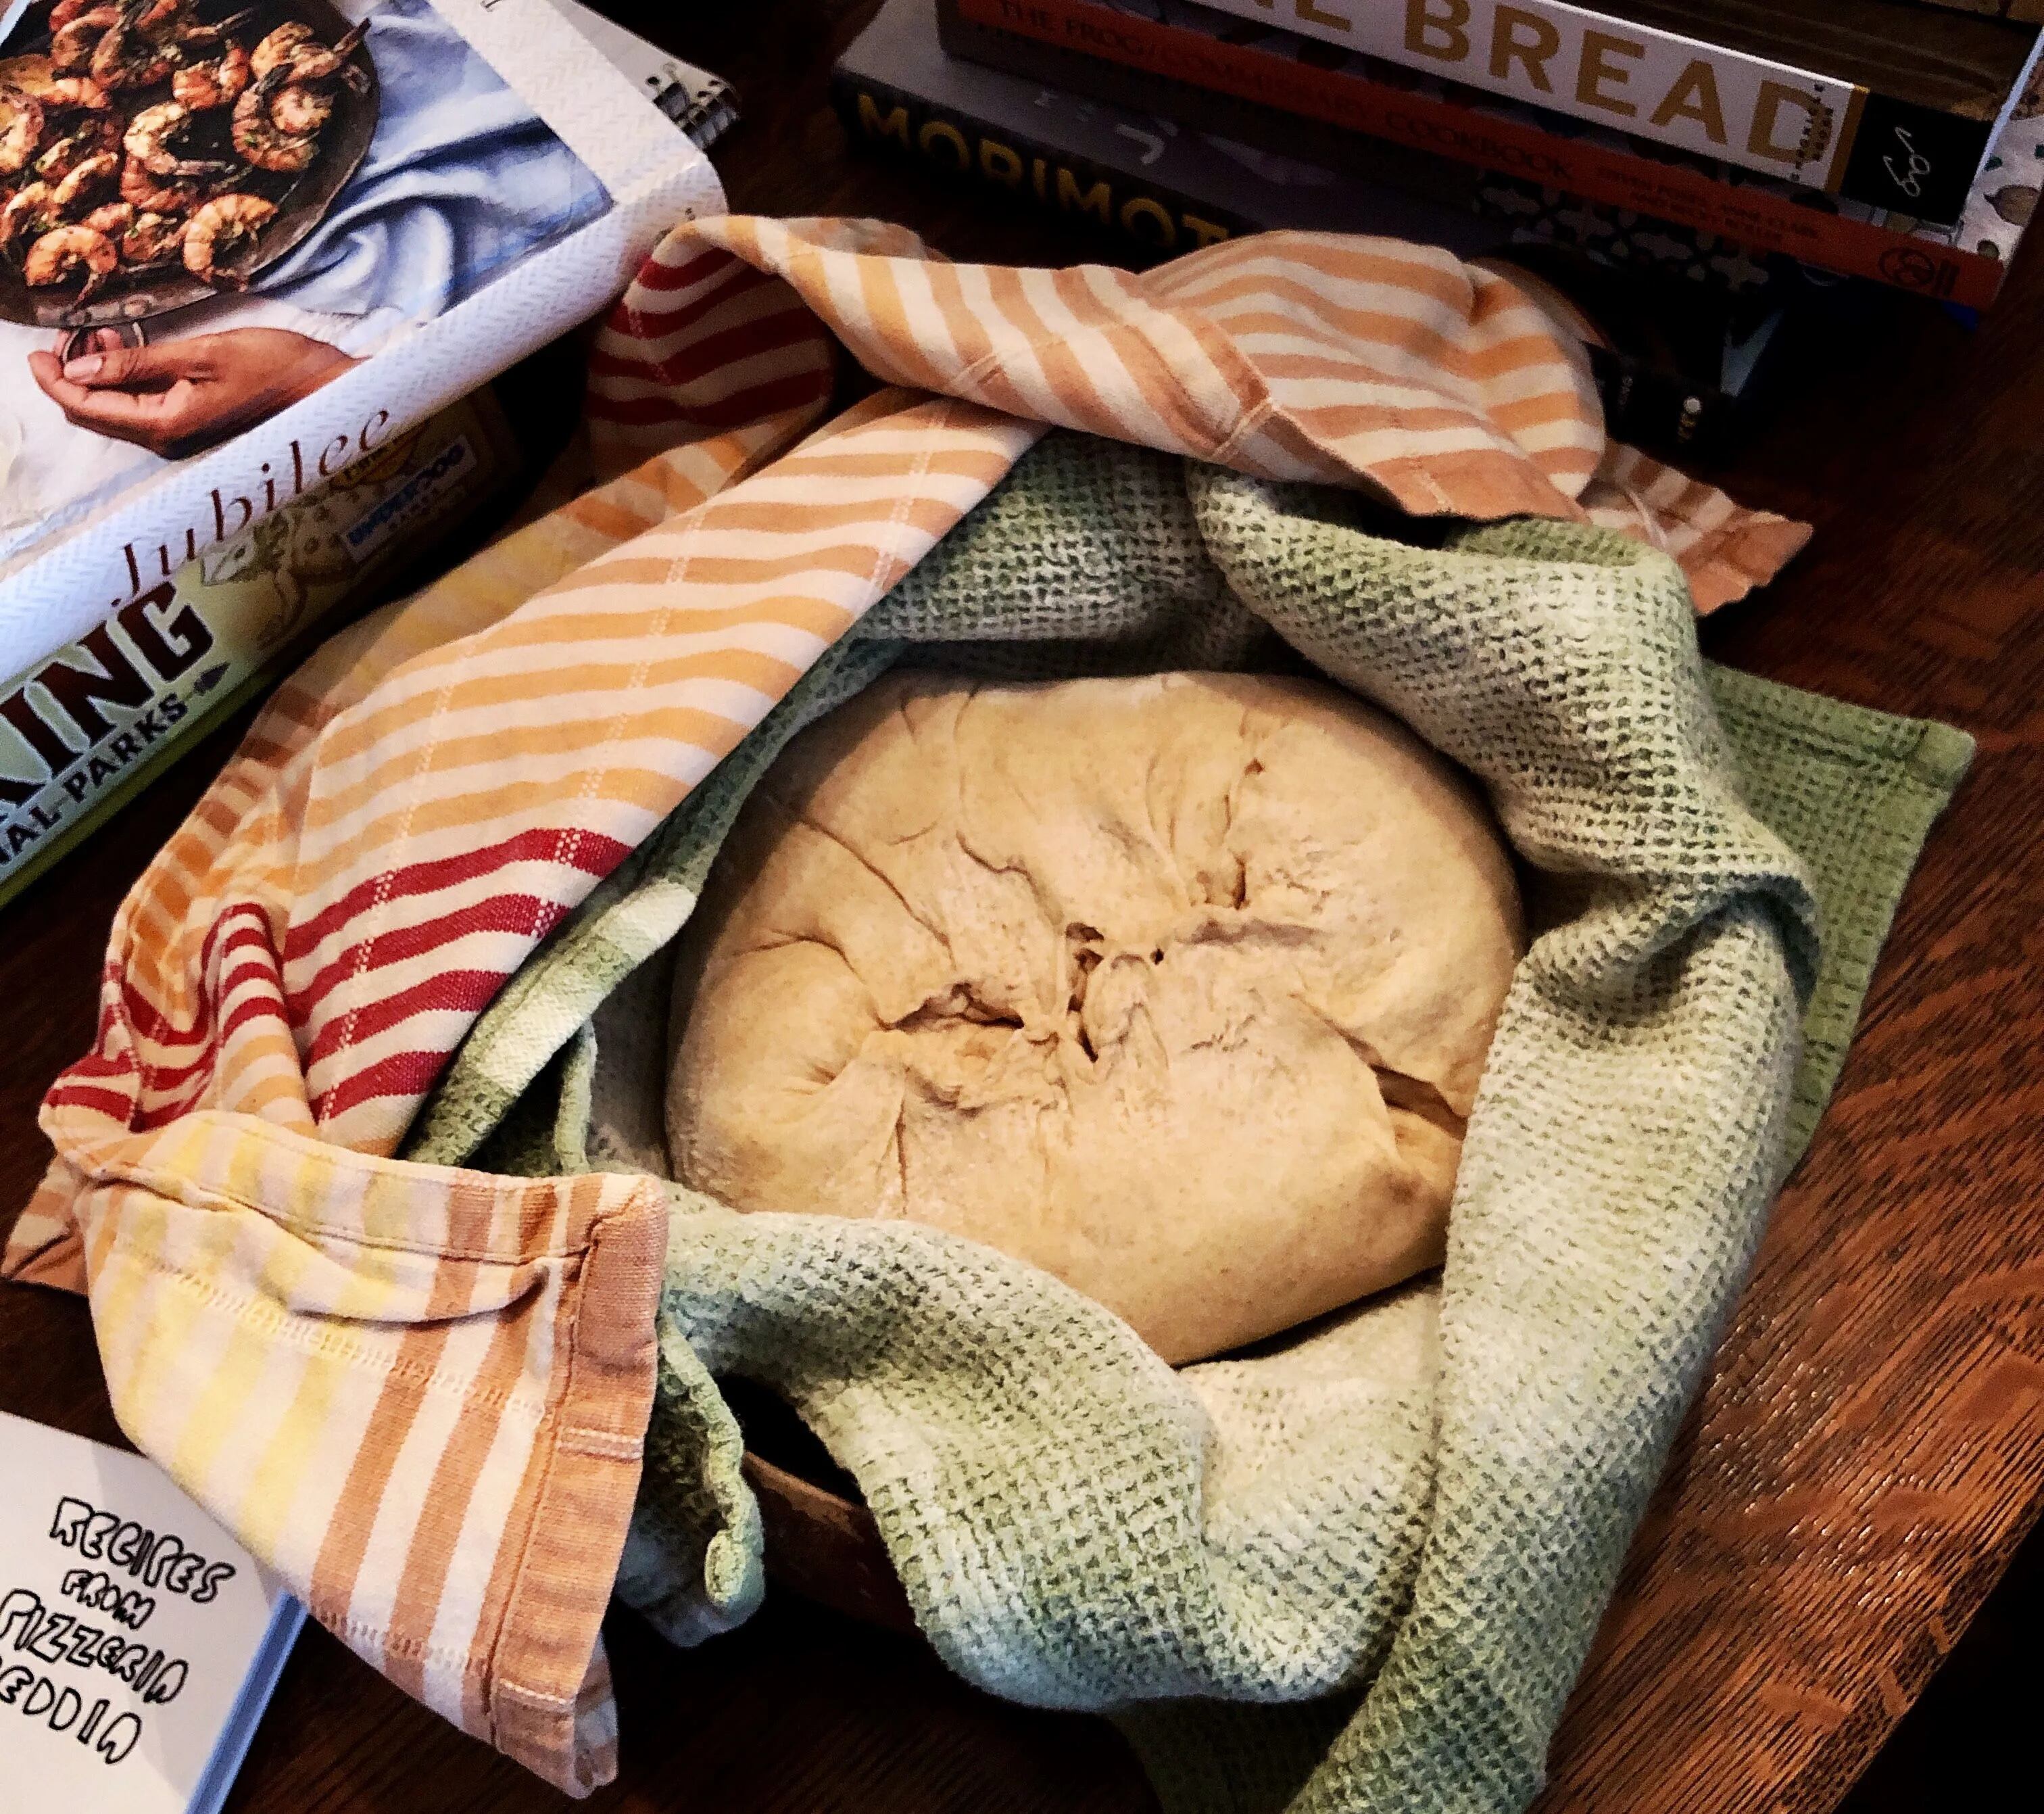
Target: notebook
702	105
139	1642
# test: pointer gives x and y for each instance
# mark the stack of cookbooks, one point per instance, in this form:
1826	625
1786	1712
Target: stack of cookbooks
1690	175
258	260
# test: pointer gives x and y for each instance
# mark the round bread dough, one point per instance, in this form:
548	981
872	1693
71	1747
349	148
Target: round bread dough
1178	987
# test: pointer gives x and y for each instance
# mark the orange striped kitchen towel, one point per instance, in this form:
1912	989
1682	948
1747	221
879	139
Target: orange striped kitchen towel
420	1393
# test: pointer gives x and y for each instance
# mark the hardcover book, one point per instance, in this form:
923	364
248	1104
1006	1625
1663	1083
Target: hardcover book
264	239
1618	199
1676	365
86	729
1883	101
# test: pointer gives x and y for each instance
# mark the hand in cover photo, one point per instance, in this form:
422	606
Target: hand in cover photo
210	210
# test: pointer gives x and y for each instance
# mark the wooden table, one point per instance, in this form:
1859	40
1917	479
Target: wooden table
1867	1457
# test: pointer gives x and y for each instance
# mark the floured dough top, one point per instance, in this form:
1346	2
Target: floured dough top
1178	987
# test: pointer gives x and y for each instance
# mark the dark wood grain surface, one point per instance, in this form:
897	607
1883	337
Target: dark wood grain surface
1868	1454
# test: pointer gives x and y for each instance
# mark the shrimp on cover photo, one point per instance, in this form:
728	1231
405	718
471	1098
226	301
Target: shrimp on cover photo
209	208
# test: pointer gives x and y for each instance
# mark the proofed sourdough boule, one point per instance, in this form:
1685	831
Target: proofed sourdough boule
1178	987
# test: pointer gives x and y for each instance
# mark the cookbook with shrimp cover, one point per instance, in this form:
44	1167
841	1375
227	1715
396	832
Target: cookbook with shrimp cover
244	243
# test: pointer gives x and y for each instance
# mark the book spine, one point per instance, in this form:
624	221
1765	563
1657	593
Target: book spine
1156	218
1762	219
1643	402
84	730
1154	85
1804	126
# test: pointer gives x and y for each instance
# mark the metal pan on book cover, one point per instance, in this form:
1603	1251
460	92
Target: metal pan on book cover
337	100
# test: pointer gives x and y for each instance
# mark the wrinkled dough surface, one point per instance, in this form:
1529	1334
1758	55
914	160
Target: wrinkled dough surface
1178	987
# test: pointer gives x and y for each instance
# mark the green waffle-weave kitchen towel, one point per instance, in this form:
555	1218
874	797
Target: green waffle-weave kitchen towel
1405	1521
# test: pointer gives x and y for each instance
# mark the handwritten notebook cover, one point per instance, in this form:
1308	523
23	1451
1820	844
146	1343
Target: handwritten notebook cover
139	1642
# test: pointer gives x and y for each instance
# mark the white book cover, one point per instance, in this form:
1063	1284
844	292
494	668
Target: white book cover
336	247
139	1642
702	105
